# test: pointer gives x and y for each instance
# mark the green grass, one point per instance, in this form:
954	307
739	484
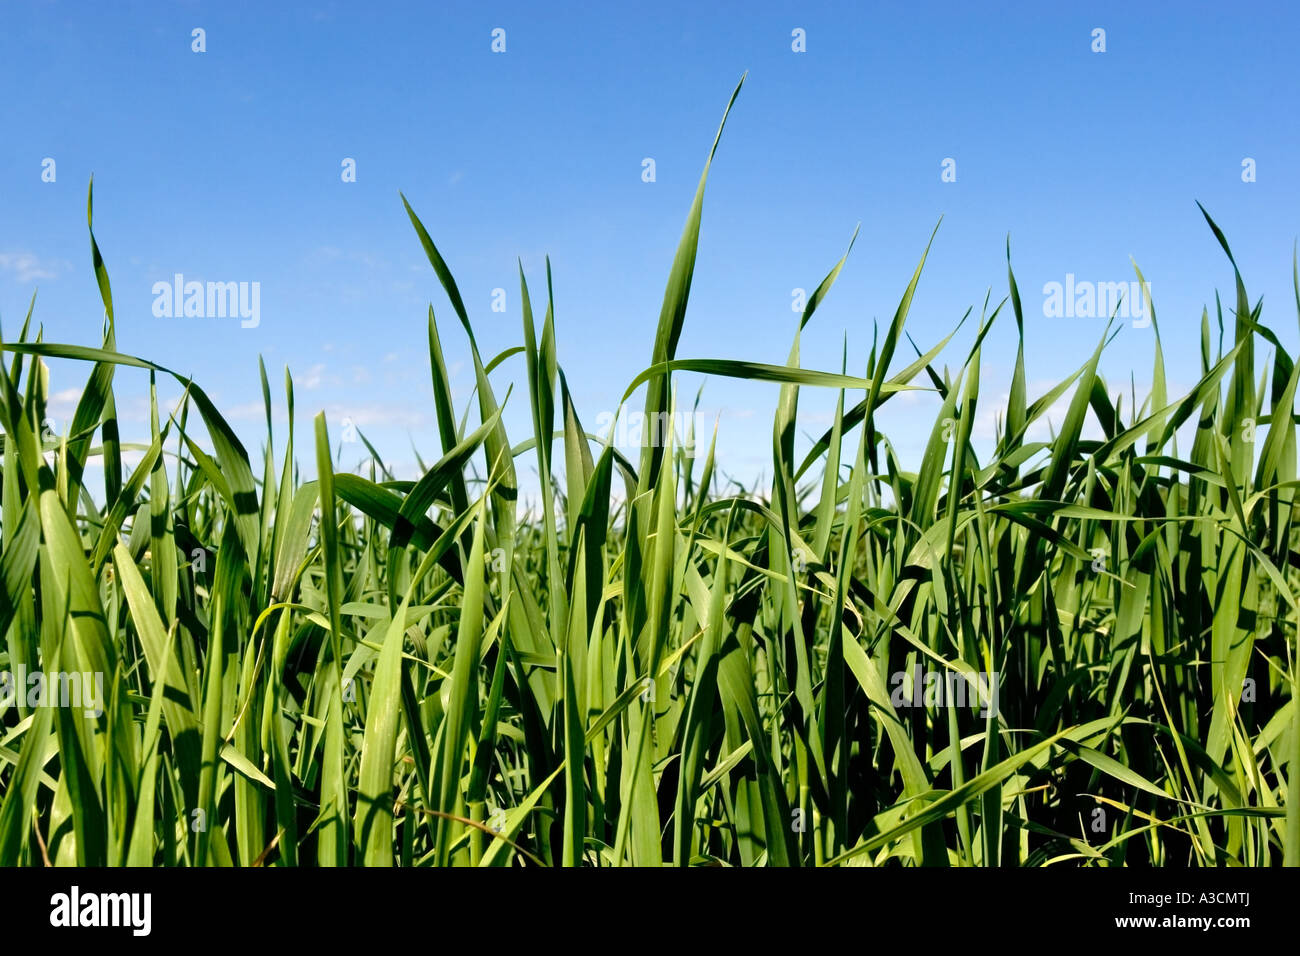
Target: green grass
361	670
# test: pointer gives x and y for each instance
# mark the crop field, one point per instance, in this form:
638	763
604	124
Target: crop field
1073	652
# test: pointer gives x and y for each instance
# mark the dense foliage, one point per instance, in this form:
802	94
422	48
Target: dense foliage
647	669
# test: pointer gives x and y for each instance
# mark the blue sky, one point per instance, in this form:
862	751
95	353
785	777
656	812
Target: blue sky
225	166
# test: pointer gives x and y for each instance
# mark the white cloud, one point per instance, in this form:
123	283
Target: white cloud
311	378
26	267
